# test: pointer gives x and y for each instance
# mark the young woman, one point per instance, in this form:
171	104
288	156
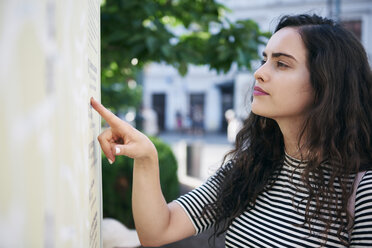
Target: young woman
290	178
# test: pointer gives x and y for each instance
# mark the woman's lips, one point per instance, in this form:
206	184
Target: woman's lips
259	92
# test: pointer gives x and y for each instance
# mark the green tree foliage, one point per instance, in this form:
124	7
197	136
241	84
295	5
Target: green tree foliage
176	32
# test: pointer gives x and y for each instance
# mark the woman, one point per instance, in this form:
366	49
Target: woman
288	181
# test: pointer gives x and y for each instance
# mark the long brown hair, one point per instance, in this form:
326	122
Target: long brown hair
339	122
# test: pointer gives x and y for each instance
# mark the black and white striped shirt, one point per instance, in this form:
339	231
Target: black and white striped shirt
275	221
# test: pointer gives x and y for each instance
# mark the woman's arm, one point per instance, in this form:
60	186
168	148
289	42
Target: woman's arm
156	221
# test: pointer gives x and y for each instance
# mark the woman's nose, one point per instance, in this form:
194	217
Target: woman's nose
261	74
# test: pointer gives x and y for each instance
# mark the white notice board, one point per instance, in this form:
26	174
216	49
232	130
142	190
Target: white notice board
50	179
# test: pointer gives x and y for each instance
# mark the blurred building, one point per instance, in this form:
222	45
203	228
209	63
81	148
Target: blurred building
172	96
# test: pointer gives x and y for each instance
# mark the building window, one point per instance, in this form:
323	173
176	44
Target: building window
159	104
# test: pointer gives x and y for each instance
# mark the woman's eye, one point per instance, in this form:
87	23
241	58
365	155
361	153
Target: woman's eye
280	64
263	62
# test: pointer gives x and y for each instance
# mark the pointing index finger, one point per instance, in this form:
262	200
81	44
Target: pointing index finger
106	114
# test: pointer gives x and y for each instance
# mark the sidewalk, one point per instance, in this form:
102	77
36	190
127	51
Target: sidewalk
209	150
209	138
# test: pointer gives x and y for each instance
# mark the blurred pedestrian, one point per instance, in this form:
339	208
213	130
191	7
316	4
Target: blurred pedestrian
197	117
233	125
300	174
188	124
179	121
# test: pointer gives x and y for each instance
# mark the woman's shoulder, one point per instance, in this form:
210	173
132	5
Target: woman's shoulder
366	178
361	235
364	189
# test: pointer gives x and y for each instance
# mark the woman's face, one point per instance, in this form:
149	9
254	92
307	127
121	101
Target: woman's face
283	90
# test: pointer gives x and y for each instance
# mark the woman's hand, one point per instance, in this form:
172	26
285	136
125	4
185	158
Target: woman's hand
123	139
156	222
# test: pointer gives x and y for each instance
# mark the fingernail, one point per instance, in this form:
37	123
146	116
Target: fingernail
117	150
110	161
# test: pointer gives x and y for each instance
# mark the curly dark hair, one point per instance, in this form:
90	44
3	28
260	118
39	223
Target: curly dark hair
339	122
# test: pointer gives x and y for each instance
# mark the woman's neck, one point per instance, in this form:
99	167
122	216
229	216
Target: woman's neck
295	151
293	139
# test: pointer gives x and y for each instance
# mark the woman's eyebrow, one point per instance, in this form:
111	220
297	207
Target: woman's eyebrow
276	55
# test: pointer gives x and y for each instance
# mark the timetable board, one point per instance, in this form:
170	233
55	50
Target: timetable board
50	179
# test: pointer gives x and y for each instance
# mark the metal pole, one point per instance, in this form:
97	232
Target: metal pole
330	8
337	10
334	9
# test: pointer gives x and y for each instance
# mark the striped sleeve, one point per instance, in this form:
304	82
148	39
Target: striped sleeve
362	231
194	201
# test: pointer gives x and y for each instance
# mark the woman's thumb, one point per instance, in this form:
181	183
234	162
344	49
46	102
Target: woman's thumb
118	149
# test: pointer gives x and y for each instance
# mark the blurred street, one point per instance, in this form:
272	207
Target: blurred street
198	156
